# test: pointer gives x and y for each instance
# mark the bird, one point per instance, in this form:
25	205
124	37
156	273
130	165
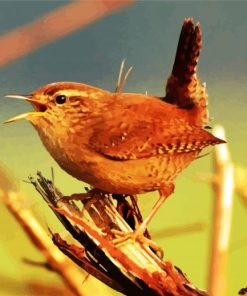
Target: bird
127	143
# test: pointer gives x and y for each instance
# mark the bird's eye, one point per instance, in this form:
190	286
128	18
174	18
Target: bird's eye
60	99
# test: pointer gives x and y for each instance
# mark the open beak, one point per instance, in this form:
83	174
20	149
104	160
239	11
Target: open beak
40	107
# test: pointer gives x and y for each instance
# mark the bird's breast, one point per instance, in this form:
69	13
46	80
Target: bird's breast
128	176
80	160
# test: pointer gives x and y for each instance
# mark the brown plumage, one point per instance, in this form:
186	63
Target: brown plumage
124	142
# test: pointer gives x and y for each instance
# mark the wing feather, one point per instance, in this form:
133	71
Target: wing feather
142	139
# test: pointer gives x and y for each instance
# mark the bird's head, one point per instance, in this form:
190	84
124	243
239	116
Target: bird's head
62	104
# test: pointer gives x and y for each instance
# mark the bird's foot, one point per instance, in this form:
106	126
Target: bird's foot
83	197
136	236
88	198
75	197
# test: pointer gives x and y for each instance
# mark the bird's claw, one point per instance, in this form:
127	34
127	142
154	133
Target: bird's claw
88	199
75	197
136	236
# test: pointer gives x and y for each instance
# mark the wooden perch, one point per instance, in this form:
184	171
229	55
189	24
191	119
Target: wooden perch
130	267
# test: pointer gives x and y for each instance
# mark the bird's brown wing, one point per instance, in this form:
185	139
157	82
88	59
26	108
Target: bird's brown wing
142	139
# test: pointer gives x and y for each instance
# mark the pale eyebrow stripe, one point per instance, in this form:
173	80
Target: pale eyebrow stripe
71	92
54	25
57	90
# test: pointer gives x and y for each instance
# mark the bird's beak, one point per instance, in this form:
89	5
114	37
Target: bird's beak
40	107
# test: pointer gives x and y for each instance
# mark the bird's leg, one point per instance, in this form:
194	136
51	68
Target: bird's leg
164	193
138	234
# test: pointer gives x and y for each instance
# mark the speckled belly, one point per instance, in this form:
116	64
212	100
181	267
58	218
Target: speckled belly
119	176
129	176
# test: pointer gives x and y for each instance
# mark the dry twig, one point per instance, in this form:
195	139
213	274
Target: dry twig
223	186
54	25
130	267
14	201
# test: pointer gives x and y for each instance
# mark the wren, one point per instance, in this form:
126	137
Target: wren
124	143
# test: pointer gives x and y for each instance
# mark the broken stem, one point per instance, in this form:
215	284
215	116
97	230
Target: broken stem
223	186
58	262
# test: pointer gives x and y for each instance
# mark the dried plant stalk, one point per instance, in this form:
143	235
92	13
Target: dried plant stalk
56	260
129	267
15	202
223	186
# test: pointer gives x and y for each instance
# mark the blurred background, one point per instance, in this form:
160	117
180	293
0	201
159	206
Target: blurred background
87	44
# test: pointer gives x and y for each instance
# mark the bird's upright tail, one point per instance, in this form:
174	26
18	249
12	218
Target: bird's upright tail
183	87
